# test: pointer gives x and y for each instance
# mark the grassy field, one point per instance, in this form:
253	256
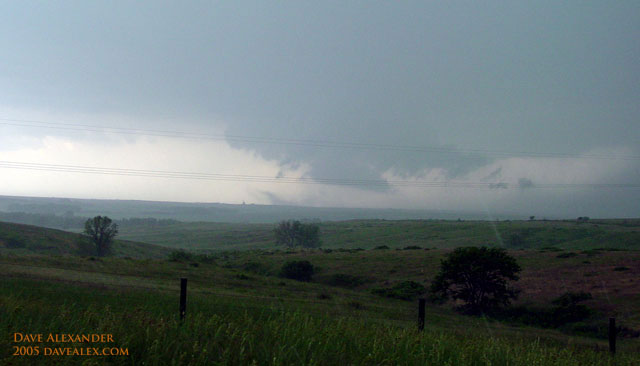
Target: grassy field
238	317
240	312
366	234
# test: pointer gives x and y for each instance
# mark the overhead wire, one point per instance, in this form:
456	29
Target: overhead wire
302	142
290	180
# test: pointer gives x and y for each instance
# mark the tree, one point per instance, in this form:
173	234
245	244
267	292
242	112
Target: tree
295	233
101	230
477	276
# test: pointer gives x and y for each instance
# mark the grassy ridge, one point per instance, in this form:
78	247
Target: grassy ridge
27	239
624	234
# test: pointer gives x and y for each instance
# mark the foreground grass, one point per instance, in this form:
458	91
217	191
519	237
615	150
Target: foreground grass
227	332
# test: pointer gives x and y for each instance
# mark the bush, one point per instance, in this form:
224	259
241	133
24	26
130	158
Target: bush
412	247
180	256
407	290
206	258
345	280
381	247
568	310
567	255
297	270
550	249
516	240
14	242
592	252
256	267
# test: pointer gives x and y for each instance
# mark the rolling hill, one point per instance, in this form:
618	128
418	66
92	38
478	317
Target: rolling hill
27	239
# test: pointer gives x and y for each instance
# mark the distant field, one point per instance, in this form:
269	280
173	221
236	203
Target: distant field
366	234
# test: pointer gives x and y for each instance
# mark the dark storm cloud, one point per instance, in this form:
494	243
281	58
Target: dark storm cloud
517	77
524	183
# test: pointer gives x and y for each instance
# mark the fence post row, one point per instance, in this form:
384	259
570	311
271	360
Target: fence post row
421	304
421	309
183	298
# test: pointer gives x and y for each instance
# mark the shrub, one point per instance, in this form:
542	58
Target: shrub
381	247
205	258
592	252
621	268
344	280
297	270
256	267
181	256
568	310
412	247
550	249
516	240
14	242
407	290
566	255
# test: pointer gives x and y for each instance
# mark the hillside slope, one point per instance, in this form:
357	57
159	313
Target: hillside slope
27	239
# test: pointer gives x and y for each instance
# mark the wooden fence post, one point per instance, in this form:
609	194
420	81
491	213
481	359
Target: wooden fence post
612	335
183	298
421	303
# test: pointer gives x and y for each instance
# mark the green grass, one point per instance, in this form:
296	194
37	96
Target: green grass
369	234
241	313
238	331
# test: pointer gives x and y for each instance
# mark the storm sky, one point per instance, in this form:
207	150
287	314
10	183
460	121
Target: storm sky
531	108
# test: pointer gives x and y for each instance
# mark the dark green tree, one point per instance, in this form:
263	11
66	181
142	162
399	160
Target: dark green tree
295	233
477	276
101	230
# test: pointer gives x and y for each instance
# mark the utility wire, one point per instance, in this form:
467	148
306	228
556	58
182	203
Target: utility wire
290	180
299	142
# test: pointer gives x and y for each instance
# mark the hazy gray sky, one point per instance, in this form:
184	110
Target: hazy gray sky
468	77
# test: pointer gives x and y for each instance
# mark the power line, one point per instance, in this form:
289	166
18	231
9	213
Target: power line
302	142
289	180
